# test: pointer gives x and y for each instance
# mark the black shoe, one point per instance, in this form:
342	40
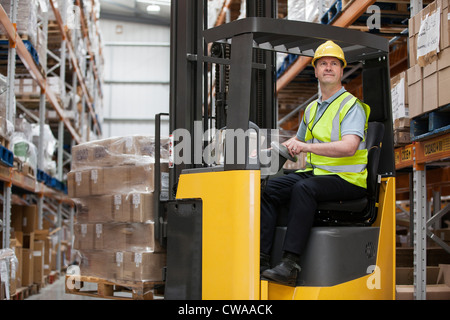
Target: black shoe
286	272
264	262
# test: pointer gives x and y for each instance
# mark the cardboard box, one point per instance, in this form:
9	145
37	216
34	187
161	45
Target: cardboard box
415	90
445	26
28	241
43	235
144	266
83	236
430	86
444	77
78	183
53	260
18	267
18	235
116	151
27	267
24	218
141	237
98	153
97	184
102	264
412	40
399	95
444	274
112	180
131	207
428	38
402	137
38	262
438	283
433	292
430	92
441	8
140	207
111	236
107	208
115	237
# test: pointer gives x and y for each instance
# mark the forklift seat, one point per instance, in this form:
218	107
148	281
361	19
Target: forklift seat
340	229
360	211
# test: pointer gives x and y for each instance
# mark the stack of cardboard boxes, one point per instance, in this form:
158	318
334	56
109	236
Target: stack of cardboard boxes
112	184
429	57
33	248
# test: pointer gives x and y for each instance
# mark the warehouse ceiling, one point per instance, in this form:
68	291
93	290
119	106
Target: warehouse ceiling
143	11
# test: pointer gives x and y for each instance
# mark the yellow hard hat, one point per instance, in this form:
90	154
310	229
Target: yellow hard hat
329	49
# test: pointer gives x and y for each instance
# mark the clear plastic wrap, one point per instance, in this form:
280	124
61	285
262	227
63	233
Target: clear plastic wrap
6	129
117	151
8	266
26	18
214	8
131	207
3	93
139	237
307	10
25	150
50	144
112	185
120	266
28	87
124	179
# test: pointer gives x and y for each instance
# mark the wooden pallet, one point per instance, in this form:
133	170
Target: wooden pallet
141	290
401	137
21	293
24	37
24	292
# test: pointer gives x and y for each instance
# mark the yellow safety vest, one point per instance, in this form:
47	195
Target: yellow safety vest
328	129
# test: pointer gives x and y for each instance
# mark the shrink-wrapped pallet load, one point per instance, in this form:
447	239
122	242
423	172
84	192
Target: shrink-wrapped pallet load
112	184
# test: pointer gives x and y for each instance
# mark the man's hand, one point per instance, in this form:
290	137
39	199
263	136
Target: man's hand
294	146
337	149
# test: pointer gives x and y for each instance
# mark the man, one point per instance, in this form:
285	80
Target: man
332	133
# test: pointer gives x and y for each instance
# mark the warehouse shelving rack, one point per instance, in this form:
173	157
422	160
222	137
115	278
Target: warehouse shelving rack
428	148
433	150
51	201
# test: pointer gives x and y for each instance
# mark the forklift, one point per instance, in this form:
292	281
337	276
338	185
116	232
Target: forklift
210	221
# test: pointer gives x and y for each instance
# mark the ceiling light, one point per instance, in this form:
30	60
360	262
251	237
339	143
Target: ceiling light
158	2
153	8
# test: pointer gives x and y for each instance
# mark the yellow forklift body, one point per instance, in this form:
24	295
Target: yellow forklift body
230	231
378	285
230	250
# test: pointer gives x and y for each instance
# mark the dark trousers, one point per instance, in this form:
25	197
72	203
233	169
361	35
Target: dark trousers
301	192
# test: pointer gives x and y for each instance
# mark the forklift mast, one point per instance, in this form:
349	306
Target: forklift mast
192	97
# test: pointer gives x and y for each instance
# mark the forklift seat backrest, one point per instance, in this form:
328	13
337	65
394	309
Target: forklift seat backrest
359	211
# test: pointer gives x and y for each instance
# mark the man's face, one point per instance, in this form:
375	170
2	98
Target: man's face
329	70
